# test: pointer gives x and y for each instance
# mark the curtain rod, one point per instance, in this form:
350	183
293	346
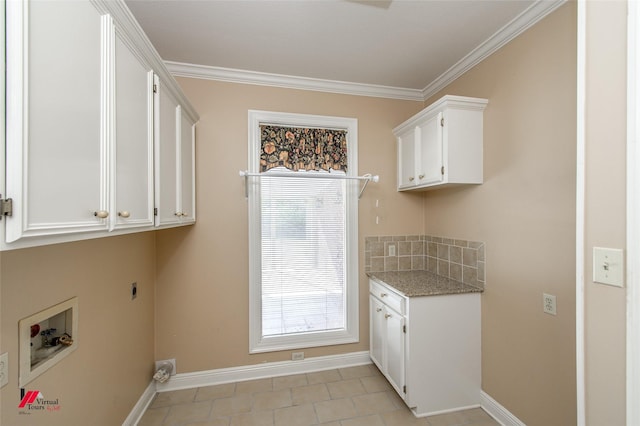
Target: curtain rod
366	178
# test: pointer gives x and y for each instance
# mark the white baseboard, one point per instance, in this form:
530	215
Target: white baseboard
498	412
141	406
259	371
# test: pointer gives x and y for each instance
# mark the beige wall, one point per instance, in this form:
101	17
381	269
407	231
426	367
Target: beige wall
605	225
99	383
525	213
202	288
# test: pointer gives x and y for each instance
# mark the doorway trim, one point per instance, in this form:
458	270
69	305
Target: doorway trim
580	212
633	214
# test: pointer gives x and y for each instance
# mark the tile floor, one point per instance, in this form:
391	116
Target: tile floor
355	396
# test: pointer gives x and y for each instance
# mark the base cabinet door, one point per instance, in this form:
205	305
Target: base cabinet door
377	331
395	349
387	339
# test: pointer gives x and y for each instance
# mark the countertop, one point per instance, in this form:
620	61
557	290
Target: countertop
422	283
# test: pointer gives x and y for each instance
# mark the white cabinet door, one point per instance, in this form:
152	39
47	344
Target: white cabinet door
377	331
387	340
406	159
133	148
167	119
56	145
175	155
395	349
429	151
186	196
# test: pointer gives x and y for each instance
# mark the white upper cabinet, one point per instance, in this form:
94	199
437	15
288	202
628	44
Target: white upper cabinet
81	118
441	145
187	195
56	164
175	148
167	145
406	156
133	147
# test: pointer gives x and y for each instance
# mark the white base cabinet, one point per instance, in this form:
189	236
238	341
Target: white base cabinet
427	347
83	127
441	145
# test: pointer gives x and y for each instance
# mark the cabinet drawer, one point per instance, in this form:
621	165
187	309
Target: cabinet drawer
389	297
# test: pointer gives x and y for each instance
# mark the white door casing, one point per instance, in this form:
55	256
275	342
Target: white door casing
633	214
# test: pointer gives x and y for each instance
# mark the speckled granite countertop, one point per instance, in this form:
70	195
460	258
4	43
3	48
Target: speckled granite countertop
421	283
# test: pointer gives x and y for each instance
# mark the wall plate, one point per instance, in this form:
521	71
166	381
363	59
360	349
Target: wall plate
608	266
37	358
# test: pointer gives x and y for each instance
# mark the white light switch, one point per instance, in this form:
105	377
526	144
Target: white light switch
608	266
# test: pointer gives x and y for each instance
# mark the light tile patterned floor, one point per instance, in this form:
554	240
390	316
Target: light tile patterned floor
356	396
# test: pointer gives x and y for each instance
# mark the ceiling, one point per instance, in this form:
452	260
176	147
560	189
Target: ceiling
393	43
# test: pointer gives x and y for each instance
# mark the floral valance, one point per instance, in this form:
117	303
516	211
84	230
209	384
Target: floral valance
302	148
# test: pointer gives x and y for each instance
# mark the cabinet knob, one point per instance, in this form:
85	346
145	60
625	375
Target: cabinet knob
387	316
411	179
378	309
102	214
179	214
124	214
383	294
421	177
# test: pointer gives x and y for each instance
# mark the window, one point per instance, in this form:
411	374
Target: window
302	234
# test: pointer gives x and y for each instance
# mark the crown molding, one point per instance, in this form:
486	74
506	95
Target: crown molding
131	32
517	26
291	82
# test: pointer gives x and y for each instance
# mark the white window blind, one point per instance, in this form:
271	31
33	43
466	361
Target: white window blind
303	254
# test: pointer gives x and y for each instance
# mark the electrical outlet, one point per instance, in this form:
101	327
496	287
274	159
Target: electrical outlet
297	356
4	369
134	290
392	249
549	304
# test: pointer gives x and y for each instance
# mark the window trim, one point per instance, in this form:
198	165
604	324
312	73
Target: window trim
350	334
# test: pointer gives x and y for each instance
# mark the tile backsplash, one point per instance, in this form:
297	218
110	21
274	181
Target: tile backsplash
460	260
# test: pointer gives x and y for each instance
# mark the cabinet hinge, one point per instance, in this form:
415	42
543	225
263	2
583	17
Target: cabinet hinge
404	389
442	122
442	170
404	328
6	207
155	88
155	211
